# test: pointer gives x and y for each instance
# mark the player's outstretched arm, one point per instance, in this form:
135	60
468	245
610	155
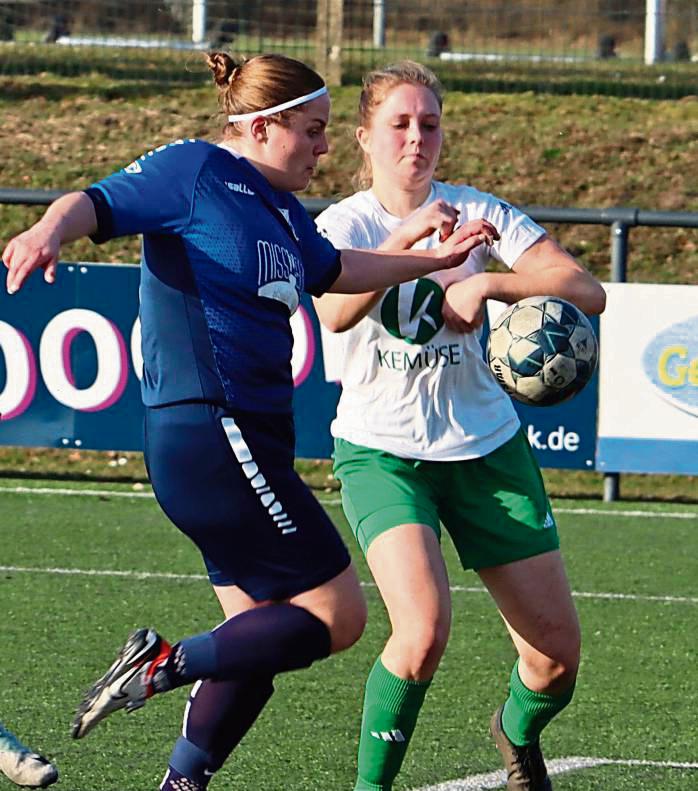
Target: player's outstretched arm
547	265
364	270
544	269
341	312
70	217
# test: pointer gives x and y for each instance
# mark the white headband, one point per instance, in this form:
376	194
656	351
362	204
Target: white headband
279	107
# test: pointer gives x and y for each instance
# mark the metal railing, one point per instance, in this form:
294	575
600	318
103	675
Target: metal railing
620	221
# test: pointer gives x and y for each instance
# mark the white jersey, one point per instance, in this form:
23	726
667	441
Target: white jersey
410	385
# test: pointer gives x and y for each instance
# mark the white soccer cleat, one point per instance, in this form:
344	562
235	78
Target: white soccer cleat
22	766
126	685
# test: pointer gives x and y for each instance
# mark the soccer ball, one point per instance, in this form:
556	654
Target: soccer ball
542	350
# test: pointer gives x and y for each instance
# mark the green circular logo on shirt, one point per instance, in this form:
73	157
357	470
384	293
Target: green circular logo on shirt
412	311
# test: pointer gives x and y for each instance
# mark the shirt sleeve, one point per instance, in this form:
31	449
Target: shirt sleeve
341	228
152	194
517	230
321	259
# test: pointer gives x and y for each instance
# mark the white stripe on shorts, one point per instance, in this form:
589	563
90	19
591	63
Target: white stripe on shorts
257	481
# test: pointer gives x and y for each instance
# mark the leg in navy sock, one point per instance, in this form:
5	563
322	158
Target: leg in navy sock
261	642
218	715
174	781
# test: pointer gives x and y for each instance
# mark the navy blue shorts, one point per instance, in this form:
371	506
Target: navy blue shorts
226	480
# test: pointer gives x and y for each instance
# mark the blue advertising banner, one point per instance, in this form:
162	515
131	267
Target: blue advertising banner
70	364
314	399
70	369
70	354
564	436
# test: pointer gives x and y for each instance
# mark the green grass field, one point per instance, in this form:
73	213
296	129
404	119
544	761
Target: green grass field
78	572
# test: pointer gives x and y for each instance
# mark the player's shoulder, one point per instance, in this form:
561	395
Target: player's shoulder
461	193
472	200
176	155
346	210
183	147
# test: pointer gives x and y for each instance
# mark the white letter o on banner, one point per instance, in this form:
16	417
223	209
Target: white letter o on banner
303	346
54	358
20	368
136	354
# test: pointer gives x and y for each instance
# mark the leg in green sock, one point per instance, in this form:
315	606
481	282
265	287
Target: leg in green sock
526	713
391	708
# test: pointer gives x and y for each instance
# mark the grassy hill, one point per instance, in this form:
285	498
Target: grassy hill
533	149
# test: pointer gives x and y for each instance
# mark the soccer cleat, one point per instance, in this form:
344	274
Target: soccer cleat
525	766
22	766
127	684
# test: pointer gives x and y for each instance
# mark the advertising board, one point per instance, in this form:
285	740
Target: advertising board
648	406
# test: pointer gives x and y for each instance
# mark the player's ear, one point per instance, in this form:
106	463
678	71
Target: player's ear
362	136
258	129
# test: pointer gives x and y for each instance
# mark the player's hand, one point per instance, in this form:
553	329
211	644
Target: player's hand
437	216
36	248
464	304
463	240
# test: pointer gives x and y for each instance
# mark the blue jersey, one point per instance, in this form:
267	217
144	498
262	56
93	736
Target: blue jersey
224	260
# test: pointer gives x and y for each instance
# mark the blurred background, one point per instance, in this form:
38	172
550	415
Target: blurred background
627	47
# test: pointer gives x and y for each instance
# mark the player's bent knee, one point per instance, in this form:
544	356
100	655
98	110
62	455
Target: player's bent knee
348	626
553	674
421	648
566	659
340	605
557	658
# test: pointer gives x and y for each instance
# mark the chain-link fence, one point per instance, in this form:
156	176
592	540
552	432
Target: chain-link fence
626	47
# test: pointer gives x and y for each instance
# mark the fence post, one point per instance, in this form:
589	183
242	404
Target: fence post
619	251
619	272
611	487
330	18
379	23
655	15
198	22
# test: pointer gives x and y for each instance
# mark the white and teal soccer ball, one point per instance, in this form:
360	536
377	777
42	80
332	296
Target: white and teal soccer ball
542	350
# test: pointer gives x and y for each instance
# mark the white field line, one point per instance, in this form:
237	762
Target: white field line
630	514
75	492
127	574
588	595
336	501
555	767
164	575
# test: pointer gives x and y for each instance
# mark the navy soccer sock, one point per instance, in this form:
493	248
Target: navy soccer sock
174	781
259	642
218	715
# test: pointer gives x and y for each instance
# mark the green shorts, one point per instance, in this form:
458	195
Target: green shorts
494	508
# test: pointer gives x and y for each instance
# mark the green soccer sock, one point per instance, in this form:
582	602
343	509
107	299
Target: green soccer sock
526	713
391	708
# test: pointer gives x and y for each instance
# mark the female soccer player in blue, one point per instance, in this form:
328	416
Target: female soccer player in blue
227	250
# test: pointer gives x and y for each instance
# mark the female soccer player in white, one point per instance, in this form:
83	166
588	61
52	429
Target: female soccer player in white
424	435
22	765
227	250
